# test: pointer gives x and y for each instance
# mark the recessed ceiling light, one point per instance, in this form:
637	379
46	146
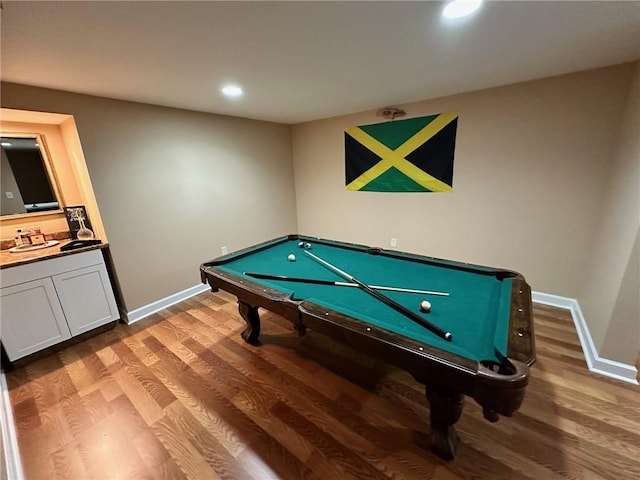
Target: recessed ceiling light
460	8
232	91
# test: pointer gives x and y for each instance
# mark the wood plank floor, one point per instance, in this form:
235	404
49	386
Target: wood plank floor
180	395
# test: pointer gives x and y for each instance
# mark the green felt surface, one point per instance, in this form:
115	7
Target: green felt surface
476	312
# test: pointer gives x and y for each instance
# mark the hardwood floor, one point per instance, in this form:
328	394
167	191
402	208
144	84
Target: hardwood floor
180	395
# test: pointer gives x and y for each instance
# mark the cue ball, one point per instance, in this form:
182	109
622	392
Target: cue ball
291	258
425	306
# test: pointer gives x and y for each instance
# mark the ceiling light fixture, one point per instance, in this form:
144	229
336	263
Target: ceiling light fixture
232	91
460	8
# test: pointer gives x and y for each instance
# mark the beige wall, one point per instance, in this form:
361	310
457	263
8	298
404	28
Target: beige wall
529	181
174	186
612	293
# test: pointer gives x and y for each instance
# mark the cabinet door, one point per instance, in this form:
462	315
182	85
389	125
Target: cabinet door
86	297
32	318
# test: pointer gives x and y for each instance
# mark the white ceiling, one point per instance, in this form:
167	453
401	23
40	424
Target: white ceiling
301	61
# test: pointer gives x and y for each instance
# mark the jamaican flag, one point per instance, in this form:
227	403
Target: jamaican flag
413	155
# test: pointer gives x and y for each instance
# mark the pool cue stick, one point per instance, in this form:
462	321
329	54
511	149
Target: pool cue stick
383	298
266	276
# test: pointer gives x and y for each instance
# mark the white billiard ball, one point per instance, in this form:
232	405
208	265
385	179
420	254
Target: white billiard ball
425	306
291	257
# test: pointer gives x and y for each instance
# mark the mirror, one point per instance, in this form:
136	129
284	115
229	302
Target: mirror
27	177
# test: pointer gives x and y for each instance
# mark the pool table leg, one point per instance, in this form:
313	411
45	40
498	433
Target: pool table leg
251	317
446	409
300	329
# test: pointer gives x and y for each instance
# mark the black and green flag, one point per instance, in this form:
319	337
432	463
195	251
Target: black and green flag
413	155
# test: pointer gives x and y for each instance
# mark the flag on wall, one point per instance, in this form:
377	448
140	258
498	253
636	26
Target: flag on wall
413	155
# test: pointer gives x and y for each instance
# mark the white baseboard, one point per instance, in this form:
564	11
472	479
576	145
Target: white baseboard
9	437
142	312
596	364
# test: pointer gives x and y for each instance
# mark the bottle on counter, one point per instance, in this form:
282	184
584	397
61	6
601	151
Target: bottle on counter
24	236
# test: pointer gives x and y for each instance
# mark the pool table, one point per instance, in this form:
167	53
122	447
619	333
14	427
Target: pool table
486	310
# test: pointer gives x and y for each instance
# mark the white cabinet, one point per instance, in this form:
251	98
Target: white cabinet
46	302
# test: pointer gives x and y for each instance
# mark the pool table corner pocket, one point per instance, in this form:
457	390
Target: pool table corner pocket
501	391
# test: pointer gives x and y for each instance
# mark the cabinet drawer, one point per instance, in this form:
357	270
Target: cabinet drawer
49	268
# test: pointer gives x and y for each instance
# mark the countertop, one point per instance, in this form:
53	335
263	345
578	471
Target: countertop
8	259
